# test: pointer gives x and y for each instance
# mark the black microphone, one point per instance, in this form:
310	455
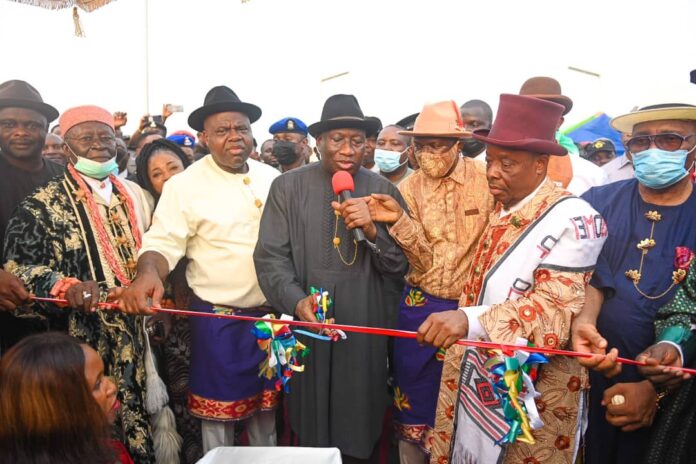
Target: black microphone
343	185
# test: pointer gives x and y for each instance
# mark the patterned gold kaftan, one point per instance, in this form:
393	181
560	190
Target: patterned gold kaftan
50	237
446	218
438	236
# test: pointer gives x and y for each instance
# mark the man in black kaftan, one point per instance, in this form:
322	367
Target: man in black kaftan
340	398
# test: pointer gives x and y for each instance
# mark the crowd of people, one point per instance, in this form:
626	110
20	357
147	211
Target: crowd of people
462	224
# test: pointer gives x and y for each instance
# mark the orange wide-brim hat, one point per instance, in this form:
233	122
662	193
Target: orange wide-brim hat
440	120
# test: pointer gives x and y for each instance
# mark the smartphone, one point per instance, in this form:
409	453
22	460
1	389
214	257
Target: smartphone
153	120
175	108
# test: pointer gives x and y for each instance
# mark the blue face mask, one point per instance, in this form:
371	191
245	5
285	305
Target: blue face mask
659	169
388	161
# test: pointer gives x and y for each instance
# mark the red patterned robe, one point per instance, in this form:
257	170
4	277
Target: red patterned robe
527	281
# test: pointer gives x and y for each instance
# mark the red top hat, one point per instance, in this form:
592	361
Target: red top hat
525	123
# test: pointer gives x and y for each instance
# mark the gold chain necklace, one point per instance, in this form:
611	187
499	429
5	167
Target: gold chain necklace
644	246
337	243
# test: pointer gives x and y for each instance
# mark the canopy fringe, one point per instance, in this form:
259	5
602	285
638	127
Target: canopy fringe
79	32
86	5
49	4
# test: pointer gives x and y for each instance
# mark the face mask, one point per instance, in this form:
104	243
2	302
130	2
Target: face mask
388	161
95	169
659	169
436	166
285	152
472	147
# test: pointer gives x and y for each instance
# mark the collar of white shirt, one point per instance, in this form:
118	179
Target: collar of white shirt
520	204
103	188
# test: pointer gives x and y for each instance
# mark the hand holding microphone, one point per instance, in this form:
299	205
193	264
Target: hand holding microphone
355	211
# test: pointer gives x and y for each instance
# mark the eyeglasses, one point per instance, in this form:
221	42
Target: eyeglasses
669	142
90	139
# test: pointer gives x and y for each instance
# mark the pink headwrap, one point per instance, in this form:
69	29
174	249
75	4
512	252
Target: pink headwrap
88	113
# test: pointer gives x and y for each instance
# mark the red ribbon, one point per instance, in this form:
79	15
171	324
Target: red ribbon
378	331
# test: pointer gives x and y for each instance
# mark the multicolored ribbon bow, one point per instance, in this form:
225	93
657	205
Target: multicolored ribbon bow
321	304
513	375
283	351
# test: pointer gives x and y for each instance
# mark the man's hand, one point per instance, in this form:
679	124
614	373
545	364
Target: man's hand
144	121
662	354
384	208
133	300
304	311
356	214
165	112
12	292
120	119
637	409
586	339
83	296
443	329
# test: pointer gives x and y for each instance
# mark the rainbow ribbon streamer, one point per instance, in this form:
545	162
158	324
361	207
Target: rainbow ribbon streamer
283	351
512	375
321	304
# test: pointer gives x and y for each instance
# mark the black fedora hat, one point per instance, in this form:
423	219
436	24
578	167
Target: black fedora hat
342	112
220	99
408	122
20	94
377	129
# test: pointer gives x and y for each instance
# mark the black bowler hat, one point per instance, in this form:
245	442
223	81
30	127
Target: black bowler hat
377	129
218	100
20	94
408	122
342	112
